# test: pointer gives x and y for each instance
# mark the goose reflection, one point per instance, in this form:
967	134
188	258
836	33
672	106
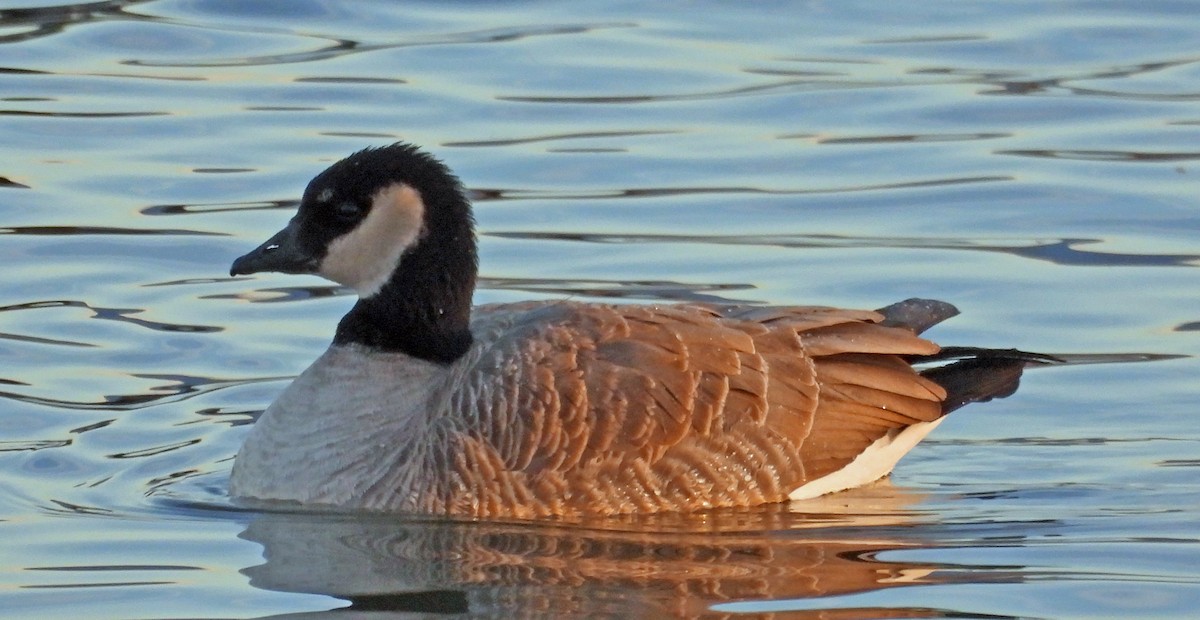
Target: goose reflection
646	566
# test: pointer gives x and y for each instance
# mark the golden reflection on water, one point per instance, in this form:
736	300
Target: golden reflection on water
649	566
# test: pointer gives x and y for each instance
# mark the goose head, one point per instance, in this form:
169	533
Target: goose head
393	224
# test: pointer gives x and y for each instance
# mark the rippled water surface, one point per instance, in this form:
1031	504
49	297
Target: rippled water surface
1032	162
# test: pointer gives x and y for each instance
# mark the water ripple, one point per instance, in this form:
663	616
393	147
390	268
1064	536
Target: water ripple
282	293
218	207
34	445
349	80
562	136
620	289
40	340
72	231
65	507
945	38
771	88
486	194
177	388
123	315
1058	251
344	47
222	170
944	137
81	114
44	21
154	450
1178	463
1099	155
1014	82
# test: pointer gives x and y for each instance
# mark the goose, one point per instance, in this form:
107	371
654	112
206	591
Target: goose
559	408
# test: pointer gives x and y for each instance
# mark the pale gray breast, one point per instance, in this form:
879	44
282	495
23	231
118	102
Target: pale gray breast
345	432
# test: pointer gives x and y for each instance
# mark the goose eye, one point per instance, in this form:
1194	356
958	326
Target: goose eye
346	211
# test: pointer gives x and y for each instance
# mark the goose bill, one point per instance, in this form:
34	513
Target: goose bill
280	253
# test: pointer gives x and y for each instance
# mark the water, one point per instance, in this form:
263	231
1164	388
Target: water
1032	162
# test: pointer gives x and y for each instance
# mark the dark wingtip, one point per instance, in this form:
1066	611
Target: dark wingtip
917	314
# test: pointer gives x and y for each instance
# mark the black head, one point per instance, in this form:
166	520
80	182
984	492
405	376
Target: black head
393	223
406	190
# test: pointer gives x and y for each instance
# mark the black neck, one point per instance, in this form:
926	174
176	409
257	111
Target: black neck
393	325
424	310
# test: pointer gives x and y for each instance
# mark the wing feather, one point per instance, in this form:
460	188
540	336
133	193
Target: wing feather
612	408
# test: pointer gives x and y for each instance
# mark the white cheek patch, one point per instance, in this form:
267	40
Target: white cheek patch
365	257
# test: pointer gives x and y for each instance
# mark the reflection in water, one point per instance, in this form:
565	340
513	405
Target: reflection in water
664	565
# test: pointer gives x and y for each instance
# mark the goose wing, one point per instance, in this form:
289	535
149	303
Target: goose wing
583	409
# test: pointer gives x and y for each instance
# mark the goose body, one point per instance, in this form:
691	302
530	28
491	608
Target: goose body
423	404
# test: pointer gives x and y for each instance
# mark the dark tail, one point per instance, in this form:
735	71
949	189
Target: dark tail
974	374
978	375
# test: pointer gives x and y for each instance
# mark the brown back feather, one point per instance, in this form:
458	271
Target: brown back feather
577	408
